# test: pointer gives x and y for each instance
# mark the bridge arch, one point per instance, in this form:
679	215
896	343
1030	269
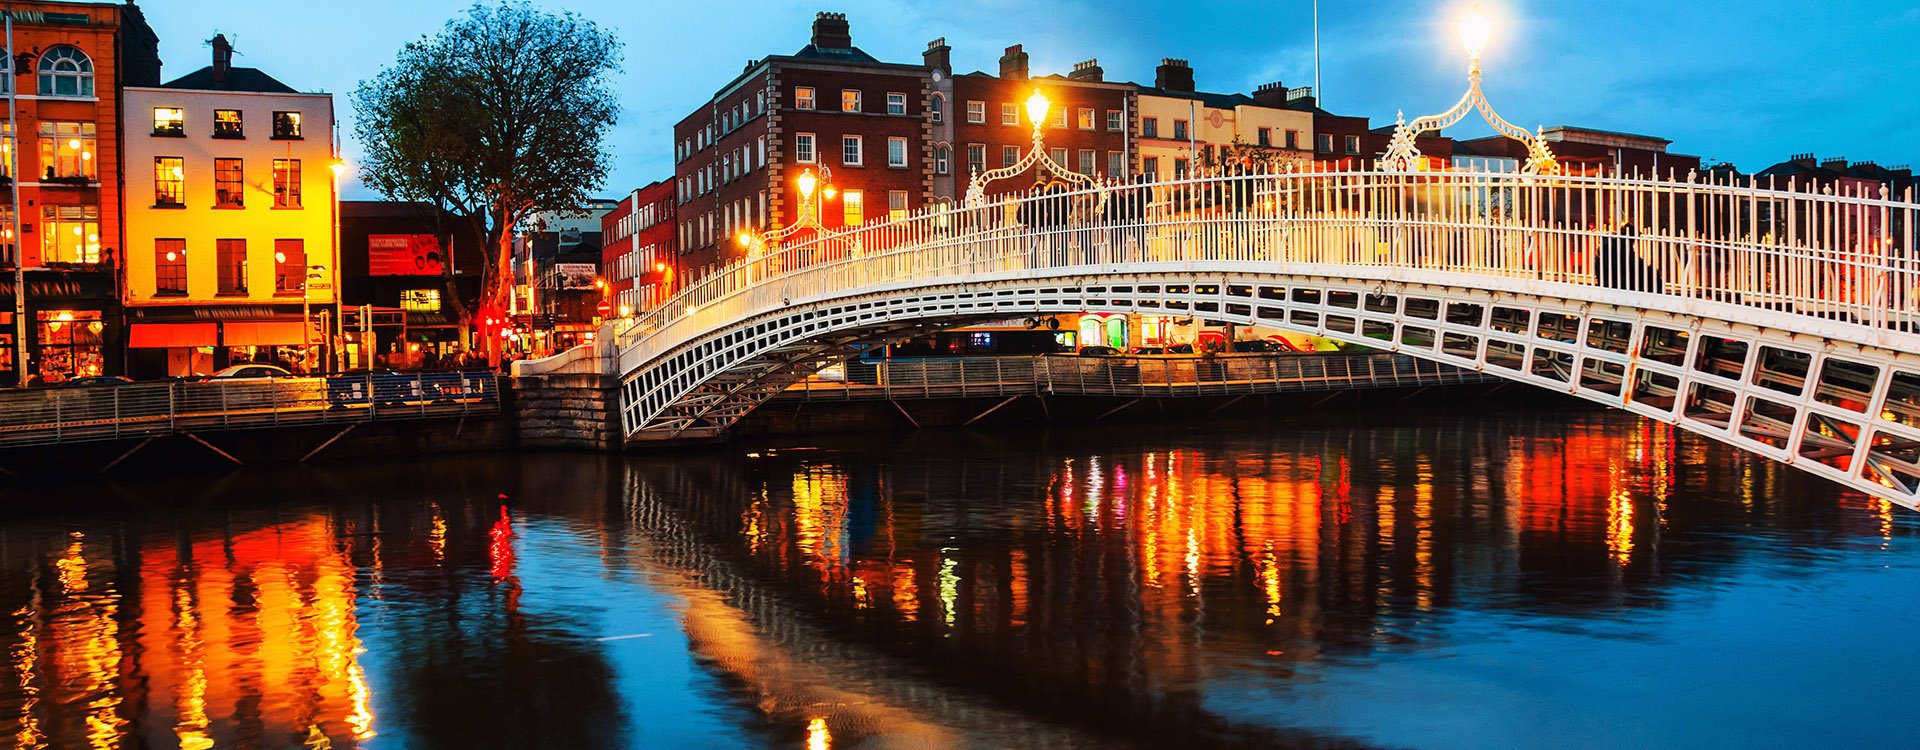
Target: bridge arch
1796	352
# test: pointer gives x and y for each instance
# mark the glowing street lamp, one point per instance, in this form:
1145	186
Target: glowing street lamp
1403	154
809	212
1037	108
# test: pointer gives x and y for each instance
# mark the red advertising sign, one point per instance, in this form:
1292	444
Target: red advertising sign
403	255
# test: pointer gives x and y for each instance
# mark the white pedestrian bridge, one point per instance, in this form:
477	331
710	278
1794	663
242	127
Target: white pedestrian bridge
1777	319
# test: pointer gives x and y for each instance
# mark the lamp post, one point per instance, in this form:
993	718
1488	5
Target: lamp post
809	212
1403	153
314	273
334	355
1037	107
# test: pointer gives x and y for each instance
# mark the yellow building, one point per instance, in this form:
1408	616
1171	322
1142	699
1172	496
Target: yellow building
1181	131
231	207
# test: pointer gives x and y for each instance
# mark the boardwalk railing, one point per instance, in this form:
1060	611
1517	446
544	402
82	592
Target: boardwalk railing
45	416
1225	375
1846	260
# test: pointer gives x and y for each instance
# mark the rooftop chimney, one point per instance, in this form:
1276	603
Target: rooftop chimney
1088	70
1013	64
1805	160
1271	94
938	55
1173	75
1838	164
830	32
222	58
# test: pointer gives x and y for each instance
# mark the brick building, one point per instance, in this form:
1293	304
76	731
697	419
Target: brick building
1181	129
1349	143
638	255
1089	128
72	60
1585	151
860	124
397	263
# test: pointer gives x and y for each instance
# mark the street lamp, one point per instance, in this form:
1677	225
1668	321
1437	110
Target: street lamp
1037	108
340	170
1403	153
313	273
809	212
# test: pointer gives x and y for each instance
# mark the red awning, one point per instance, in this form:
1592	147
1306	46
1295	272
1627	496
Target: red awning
171	335
263	334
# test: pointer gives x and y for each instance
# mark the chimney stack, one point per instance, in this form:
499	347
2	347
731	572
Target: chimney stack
1271	94
1013	64
939	56
222	58
1837	164
1088	70
1173	75
1804	160
830	32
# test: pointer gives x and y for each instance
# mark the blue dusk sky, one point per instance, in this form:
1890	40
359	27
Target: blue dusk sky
1749	82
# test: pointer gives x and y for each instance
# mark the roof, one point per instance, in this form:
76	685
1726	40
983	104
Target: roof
850	54
1216	101
238	79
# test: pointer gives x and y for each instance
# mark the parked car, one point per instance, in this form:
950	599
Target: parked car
92	381
249	371
1180	349
1255	346
1098	351
1147	351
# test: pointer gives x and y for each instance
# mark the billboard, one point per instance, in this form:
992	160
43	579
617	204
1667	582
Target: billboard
576	275
403	255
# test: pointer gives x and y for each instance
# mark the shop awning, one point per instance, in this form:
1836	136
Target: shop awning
172	335
274	333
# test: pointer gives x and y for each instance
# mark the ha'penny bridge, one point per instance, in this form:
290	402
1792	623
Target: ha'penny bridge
1778	320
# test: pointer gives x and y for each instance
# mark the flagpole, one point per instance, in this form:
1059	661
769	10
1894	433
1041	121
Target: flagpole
1320	96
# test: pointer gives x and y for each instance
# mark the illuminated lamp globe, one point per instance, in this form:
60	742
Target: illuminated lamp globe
807	183
1037	108
338	167
744	239
659	268
279	257
1475	27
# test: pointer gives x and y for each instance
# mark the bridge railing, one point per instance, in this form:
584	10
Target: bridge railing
1845	258
45	416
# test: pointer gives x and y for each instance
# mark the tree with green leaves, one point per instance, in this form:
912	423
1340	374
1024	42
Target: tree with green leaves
496	119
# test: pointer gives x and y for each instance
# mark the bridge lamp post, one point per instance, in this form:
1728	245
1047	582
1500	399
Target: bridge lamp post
807	182
1403	153
1037	108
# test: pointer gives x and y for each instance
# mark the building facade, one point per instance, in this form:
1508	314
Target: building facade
638	257
231	209
398	263
860	125
1088	128
558	287
71	61
1181	130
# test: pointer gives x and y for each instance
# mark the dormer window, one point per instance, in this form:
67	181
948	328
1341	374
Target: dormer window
286	125
226	124
66	71
170	122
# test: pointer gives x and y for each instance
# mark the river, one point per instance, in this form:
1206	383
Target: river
1438	577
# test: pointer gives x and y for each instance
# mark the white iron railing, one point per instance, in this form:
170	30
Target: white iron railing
1845	260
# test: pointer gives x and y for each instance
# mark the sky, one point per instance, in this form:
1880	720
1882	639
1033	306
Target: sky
1745	81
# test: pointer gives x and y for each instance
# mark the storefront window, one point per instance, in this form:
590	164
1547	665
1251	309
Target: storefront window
69	344
67	150
70	234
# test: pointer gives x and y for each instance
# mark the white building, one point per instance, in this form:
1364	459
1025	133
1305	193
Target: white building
231	210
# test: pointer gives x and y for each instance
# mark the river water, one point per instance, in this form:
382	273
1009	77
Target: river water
1463	577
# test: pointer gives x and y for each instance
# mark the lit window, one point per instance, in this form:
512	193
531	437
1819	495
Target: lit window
286	124
803	97
169	121
169	181
170	268
66	71
67	150
71	234
1060	118
228	190
850	152
231	259
286	183
976	111
1086	118
849	100
896	205
226	124
803	148
896	152
896	103
853	207
289	267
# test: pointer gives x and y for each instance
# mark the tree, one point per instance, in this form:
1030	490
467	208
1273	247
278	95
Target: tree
499	117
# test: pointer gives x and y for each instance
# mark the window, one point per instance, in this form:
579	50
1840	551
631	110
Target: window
1059	156
286	125
1116	164
1150	127
1150	166
1353	144
286	183
67	150
66	71
939	110
853	207
1179	130
976	111
850	150
1326	143
289	267
1266	136
169	181
228	190
1293	139
231	257
1009	114
1086	161
6	148
941	158
226	124
1009	155
896	205
71	234
170	122
803	148
896	152
1060	118
849	100
1179	169
69	344
896	103
1086	118
170	268
803	97
1114	122
977	157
